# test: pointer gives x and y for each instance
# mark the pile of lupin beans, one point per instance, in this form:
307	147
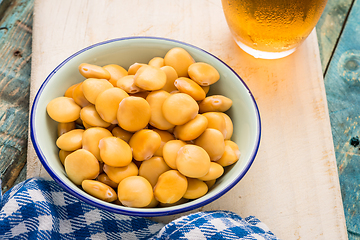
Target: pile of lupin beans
147	136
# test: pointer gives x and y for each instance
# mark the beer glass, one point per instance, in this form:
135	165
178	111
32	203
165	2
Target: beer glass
271	29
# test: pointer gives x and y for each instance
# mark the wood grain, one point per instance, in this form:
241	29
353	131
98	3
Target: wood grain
15	53
329	28
342	86
293	185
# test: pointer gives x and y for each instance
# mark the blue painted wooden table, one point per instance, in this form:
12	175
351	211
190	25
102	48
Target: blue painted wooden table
339	42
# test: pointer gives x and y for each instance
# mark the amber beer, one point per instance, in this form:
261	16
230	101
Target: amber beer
271	28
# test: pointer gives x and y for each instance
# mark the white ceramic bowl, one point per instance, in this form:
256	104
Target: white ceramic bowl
126	51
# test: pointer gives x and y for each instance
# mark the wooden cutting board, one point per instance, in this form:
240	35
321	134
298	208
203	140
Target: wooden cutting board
293	185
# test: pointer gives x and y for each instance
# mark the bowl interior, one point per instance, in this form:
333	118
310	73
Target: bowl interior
244	113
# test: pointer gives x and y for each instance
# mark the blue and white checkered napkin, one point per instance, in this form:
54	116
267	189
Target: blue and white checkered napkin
41	209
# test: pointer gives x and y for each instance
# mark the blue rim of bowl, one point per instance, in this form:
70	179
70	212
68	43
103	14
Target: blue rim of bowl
138	211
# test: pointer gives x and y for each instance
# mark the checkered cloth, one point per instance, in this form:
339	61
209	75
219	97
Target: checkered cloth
41	209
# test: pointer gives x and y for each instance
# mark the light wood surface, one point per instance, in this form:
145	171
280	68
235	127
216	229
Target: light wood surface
293	185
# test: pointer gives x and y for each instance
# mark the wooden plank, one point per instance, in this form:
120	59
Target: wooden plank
293	185
329	28
342	87
15	53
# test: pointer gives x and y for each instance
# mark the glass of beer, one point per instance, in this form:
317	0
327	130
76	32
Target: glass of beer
271	29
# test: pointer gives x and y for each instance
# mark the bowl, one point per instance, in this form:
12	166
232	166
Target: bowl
126	51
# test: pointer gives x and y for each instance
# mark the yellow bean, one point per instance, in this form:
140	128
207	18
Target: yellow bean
215	103
192	161
92	87
156	62
81	165
196	188
116	72
63	109
171	76
181	201
133	113
151	169
212	141
65	127
89	115
115	152
229	126
127	84
176	91
134	68
70	90
170	187
117	174
117	202
210	183
215	171
93	71
204	74
91	139
122	134
142	94
99	190
217	121
179	108
153	203
165	137
107	104
192	129
106	180
86	125
62	155
78	96
150	78
144	144
71	140
206	89
179	59
231	154
170	151
188	86
156	100
135	191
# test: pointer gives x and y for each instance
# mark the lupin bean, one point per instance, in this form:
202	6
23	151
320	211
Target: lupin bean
99	190
144	144
215	103
212	141
116	72
135	191
196	188
179	59
170	187
133	113
231	154
81	165
115	152
93	71
204	74
179	108
92	87
150	78
107	104
193	161
63	109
